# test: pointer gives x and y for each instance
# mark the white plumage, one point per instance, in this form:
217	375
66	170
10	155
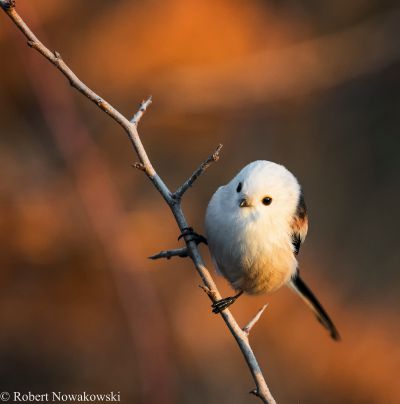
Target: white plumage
254	226
252	245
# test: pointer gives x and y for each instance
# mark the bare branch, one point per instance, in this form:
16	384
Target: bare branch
142	109
131	130
255	392
254	320
139	166
210	293
200	170
173	200
179	252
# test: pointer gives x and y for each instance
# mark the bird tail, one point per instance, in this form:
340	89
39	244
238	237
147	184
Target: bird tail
305	293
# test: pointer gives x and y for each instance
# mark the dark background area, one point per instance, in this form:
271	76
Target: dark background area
313	85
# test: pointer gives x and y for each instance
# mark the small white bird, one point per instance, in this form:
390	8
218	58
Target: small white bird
255	226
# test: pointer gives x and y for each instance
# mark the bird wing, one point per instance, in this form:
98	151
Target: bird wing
299	224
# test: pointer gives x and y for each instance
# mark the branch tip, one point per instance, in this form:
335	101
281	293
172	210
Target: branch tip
142	109
168	254
215	155
254	320
200	170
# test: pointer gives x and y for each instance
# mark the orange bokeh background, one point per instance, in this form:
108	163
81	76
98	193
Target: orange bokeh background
312	85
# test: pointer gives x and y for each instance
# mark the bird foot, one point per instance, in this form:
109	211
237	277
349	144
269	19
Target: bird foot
223	304
193	236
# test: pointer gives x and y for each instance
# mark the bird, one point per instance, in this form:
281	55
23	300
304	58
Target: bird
255	226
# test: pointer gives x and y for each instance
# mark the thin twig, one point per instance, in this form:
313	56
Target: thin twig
240	336
200	170
254	320
142	109
179	252
139	166
210	293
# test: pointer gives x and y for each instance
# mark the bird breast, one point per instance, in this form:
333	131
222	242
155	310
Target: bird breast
254	254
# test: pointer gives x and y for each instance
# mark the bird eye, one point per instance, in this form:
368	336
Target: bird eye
266	200
239	187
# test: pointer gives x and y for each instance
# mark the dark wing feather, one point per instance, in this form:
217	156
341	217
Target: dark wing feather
299	224
296	241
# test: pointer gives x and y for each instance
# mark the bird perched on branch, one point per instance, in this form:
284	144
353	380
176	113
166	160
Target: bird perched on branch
255	226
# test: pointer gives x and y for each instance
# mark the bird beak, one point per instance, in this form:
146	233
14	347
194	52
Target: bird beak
243	203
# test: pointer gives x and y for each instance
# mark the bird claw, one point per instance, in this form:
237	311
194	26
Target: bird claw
223	304
197	238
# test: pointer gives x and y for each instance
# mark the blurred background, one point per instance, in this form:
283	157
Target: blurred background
314	85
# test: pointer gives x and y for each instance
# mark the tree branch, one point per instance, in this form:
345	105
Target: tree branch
200	170
130	128
178	252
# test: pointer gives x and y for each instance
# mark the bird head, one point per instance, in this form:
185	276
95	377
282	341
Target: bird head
264	189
